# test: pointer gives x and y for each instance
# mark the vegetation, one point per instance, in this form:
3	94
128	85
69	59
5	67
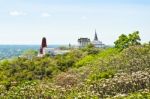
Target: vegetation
29	54
125	41
122	72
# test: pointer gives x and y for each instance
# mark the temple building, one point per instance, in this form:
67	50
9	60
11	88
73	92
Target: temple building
83	42
96	42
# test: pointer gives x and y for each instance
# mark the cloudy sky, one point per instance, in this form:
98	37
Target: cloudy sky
64	21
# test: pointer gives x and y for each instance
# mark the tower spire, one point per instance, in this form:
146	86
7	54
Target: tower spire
43	45
95	38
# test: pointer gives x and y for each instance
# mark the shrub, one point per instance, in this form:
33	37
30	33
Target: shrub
122	83
66	80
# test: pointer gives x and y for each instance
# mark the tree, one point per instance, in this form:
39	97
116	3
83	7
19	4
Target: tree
30	54
134	38
125	41
122	42
90	45
90	49
63	48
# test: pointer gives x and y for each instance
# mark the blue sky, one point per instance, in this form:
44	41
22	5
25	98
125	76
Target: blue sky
64	21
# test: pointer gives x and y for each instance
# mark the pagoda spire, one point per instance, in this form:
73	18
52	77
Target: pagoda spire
43	45
95	38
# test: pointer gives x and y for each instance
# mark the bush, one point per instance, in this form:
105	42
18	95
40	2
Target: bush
66	80
122	83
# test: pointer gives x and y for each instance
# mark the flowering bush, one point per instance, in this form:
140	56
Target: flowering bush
122	83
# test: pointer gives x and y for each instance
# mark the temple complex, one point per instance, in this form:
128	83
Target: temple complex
85	41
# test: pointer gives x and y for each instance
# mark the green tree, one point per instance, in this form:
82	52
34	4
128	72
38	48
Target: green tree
134	38
63	48
122	42
90	45
125	41
30	54
91	50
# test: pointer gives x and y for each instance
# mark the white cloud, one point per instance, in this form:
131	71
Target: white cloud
84	17
17	13
46	15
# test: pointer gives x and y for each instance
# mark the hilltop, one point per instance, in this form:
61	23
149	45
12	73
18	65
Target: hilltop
87	73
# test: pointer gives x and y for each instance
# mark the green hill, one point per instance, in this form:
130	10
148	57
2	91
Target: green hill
87	73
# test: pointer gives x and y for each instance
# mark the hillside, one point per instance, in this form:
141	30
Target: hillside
88	73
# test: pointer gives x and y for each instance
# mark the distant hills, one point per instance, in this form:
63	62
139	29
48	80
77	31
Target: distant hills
8	51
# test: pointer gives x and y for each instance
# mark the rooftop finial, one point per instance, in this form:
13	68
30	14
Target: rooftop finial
95	38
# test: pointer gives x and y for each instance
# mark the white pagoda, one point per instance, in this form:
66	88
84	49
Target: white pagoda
96	42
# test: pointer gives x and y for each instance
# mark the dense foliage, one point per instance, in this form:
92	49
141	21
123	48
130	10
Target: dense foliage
125	41
88	73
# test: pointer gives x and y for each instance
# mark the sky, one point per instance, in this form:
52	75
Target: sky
64	21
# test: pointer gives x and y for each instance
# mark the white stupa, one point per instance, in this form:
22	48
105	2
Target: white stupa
96	42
